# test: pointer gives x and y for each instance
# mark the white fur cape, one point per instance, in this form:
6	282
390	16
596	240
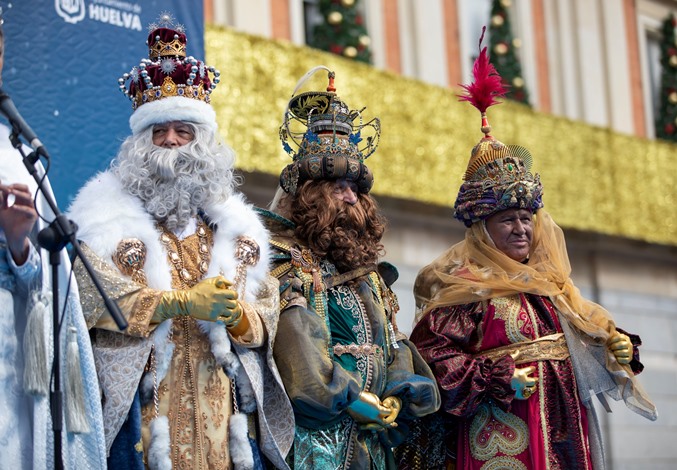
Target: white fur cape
106	214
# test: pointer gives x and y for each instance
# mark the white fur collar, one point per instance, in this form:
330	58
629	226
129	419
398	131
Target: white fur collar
106	214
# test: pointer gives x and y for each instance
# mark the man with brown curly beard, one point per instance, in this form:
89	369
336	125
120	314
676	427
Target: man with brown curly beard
354	381
338	222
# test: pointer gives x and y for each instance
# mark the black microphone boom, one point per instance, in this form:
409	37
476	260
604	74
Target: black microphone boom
19	125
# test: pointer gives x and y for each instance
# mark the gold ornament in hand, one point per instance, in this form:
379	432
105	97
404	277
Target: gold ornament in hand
368	411
394	404
522	383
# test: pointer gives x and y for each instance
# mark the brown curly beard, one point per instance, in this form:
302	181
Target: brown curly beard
349	236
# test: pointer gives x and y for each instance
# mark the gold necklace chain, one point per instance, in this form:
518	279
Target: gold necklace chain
175	253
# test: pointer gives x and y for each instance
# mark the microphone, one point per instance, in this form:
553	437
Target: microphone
19	125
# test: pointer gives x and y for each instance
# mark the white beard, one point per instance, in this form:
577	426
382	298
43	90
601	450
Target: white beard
173	184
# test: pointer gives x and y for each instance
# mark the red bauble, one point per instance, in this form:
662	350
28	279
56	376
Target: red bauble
670	128
358	19
336	49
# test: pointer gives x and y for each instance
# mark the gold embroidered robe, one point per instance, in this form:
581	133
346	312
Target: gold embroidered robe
195	394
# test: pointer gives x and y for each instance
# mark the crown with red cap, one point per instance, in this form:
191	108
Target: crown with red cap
168	86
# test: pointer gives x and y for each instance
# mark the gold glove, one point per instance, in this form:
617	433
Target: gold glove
232	316
523	385
368	409
210	299
621	347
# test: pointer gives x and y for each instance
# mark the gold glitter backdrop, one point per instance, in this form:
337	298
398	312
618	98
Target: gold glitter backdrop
594	179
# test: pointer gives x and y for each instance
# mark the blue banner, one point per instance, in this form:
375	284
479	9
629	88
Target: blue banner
62	62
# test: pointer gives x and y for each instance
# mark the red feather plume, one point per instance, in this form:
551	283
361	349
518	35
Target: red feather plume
487	84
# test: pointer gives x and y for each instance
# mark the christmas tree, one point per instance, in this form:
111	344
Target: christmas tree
666	120
503	51
342	31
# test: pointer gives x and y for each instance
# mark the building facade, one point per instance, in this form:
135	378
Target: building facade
589	60
593	73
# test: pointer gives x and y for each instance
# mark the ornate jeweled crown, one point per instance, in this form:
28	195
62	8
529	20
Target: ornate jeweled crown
329	143
168	72
498	176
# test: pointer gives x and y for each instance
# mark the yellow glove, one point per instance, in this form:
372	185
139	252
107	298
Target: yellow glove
621	347
210	299
367	409
523	385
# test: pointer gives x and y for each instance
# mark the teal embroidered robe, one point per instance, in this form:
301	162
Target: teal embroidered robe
332	343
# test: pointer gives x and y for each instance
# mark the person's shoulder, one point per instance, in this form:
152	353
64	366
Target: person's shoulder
281	230
284	246
99	194
235	212
274	222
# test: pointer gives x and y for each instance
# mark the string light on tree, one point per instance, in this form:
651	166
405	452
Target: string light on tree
497	20
501	48
342	30
335	18
350	52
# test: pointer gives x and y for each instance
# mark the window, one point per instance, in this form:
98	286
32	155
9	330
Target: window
311	18
473	15
650	38
653	54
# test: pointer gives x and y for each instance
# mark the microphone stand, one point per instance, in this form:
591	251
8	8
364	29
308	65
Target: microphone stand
54	238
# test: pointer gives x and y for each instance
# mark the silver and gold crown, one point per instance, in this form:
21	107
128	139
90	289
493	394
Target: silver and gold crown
329	143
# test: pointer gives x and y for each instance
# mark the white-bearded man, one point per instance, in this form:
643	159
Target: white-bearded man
191	382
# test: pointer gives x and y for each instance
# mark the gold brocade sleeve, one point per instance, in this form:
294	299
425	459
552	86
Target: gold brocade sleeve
137	303
267	306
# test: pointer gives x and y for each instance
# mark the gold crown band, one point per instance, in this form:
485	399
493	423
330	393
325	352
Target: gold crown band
161	49
167	89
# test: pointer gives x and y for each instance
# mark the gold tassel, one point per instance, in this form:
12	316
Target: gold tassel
76	414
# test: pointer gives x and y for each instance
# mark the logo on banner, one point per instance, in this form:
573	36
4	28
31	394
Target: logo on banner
71	11
114	12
